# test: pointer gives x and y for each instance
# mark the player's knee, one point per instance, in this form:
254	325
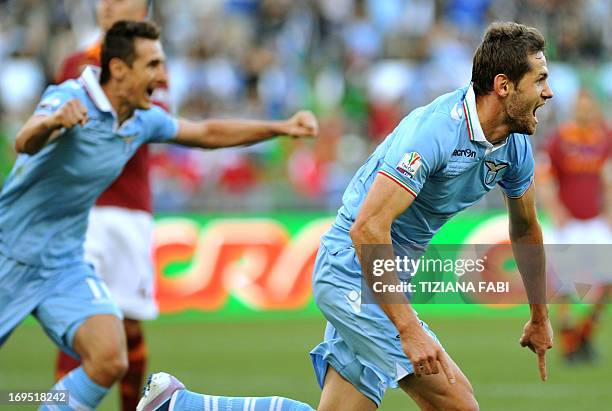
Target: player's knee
114	367
109	362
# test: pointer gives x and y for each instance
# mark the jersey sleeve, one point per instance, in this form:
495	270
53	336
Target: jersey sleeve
162	127
416	151
518	179
52	99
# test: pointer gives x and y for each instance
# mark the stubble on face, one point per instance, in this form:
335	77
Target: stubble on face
519	117
527	97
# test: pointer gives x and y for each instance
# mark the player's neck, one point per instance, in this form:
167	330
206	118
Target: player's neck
118	101
492	119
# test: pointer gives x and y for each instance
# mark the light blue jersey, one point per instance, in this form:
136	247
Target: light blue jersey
44	207
45	202
440	155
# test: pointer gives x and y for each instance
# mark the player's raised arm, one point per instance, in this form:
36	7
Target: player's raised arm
41	127
528	248
385	201
227	133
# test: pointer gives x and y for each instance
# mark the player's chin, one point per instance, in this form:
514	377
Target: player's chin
531	127
526	127
529	130
145	104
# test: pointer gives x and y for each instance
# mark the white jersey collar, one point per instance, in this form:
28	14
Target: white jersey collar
90	79
473	123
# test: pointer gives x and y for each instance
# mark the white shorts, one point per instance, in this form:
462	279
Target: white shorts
593	231
587	264
119	244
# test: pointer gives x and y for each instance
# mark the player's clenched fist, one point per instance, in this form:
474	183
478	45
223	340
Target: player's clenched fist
302	124
69	115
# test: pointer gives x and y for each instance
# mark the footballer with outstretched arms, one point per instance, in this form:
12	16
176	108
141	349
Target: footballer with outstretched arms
120	230
74	145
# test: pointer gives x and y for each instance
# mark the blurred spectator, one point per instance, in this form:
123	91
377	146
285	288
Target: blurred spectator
575	187
361	64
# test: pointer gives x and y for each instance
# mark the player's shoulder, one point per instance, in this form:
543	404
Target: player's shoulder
449	105
57	94
154	117
441	119
519	140
154	112
519	147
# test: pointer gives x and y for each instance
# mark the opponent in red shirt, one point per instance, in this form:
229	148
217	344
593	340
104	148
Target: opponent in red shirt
576	191
121	224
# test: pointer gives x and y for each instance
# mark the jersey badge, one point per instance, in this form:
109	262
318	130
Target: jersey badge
492	171
409	164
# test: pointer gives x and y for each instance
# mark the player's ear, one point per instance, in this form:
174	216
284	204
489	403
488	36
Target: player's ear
118	68
502	85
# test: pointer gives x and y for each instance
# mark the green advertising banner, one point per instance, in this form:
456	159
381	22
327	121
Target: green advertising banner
219	267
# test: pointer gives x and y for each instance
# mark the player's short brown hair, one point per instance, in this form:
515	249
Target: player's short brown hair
119	43
505	49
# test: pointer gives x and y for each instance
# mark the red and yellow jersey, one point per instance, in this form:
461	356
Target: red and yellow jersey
577	157
132	189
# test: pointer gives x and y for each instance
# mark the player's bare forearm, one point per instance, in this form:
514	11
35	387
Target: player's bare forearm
528	249
40	129
34	134
527	246
217	133
372	240
384	202
530	258
227	133
539	313
378	246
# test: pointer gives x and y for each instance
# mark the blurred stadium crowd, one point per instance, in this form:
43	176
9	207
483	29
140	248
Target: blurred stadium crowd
361	65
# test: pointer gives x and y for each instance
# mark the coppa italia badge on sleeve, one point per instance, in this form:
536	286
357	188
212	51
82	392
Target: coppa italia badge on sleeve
409	164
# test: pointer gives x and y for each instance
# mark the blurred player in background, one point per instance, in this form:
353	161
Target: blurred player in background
575	186
120	229
75	144
414	182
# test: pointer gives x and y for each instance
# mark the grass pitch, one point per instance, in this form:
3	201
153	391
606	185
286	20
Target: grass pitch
270	357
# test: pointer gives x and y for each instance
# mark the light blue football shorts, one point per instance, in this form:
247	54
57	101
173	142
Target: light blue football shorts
360	342
60	299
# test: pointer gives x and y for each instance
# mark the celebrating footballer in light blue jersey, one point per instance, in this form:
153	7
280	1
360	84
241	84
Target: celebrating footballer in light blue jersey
441	159
439	155
56	187
76	143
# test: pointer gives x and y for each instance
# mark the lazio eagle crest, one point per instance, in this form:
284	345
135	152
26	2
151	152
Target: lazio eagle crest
492	171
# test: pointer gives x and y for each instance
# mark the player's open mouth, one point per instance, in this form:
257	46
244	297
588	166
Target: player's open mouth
150	91
534	112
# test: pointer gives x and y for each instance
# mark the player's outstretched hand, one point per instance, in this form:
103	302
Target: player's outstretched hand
538	336
302	124
425	353
69	115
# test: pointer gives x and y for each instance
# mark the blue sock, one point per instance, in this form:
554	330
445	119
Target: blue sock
189	401
83	393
